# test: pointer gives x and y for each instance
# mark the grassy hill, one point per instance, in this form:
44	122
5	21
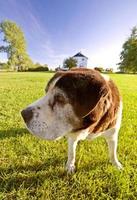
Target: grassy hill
31	168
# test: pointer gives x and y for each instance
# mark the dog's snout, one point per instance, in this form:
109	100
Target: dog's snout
27	114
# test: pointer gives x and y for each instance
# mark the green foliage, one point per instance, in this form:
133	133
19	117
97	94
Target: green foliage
70	62
108	70
32	169
4	66
37	64
100	69
37	67
18	59
129	53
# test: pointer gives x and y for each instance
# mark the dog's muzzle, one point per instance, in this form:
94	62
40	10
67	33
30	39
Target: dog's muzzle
27	114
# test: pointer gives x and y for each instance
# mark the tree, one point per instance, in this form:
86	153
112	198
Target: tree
15	47
38	67
109	70
128	55
3	66
100	69
70	62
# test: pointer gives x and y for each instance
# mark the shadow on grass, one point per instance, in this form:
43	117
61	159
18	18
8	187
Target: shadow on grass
31	176
34	175
12	133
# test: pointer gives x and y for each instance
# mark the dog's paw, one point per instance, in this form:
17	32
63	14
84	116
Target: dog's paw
70	169
118	165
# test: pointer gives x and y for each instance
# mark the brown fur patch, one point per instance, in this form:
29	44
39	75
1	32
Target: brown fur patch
95	101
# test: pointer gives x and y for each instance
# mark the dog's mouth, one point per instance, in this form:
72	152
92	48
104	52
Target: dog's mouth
33	124
41	130
37	128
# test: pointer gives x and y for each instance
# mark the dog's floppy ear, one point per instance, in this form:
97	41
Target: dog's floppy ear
103	93
54	78
94	115
84	89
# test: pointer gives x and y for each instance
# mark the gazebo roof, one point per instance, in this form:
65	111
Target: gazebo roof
79	54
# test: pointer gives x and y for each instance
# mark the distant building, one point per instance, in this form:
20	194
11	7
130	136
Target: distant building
81	60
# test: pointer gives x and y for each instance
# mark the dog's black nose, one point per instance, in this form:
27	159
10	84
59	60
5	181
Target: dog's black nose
27	114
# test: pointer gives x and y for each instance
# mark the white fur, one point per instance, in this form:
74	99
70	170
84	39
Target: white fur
73	139
51	124
111	136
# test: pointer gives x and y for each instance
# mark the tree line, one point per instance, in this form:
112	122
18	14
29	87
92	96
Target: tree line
14	45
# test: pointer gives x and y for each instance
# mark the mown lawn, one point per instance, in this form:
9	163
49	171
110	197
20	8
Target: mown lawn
31	168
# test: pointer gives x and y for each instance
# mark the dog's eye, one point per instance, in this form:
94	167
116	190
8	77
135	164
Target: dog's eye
59	99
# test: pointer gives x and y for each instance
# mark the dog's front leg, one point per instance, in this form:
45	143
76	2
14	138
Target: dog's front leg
72	143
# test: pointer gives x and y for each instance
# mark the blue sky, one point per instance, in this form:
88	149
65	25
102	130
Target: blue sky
56	29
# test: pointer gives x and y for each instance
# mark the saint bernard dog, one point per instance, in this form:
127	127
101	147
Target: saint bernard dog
79	104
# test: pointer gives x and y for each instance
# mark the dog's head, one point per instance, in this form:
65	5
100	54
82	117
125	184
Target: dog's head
70	96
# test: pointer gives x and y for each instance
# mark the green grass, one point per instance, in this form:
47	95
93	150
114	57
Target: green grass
31	168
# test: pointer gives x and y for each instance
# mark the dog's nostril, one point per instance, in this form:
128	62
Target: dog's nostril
27	114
